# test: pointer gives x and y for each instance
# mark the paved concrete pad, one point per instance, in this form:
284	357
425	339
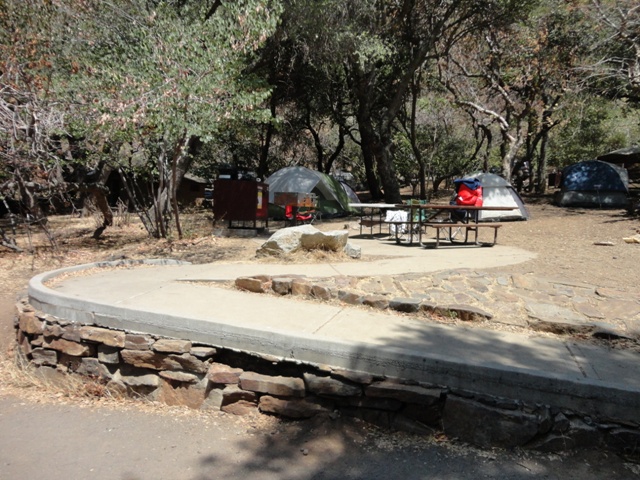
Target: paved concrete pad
167	300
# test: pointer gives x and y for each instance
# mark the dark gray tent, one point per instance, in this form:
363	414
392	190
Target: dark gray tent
351	193
593	184
628	158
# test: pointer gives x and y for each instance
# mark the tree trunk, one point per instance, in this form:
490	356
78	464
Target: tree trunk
28	200
159	208
384	162
485	155
376	147
380	142
367	139
509	149
166	195
360	85
542	164
7	242
263	162
415	92
178	153
99	193
336	153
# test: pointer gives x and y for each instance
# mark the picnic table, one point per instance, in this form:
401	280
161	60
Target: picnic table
456	230
371	215
408	227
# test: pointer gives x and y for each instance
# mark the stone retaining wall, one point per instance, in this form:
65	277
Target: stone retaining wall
209	377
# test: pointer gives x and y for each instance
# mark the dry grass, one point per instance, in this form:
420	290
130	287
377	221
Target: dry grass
17	376
306	257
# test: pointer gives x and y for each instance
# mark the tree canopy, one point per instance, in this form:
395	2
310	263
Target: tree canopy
408	92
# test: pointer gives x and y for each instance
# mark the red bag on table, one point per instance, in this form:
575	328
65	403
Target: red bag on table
468	195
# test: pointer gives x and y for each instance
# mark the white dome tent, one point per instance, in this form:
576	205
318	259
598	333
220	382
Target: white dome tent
497	192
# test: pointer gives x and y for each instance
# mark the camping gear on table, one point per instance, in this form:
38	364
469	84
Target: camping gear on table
296	216
497	192
468	192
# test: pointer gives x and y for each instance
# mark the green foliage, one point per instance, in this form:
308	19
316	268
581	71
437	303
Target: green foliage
31	119
593	126
613	60
167	69
132	82
160	78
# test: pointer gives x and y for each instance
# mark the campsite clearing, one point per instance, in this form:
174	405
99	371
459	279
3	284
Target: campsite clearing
575	245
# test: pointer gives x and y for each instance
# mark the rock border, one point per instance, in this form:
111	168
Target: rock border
542	317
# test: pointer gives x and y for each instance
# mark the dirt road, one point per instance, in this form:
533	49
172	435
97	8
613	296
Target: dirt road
70	440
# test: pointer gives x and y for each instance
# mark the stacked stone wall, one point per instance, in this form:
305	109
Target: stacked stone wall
209	377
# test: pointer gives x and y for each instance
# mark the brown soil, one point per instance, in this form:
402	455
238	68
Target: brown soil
578	244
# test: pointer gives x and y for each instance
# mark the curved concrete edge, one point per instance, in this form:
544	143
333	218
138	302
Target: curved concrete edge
74	309
36	284
592	397
38	280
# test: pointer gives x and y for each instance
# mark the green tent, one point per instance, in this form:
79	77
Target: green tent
333	200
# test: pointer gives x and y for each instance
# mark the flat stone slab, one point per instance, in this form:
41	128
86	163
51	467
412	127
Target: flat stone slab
550	311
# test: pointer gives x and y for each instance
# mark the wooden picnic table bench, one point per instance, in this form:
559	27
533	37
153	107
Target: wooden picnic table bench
450	231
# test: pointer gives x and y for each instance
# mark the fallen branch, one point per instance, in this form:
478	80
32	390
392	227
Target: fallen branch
9	243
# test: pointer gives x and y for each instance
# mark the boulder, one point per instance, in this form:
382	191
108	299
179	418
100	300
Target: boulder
292	408
486	426
240	408
333	241
31	324
300	287
281	386
353	251
182	394
171	345
285	240
330	386
111	338
70	348
224	374
41	356
307	237
133	341
182	377
253	284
